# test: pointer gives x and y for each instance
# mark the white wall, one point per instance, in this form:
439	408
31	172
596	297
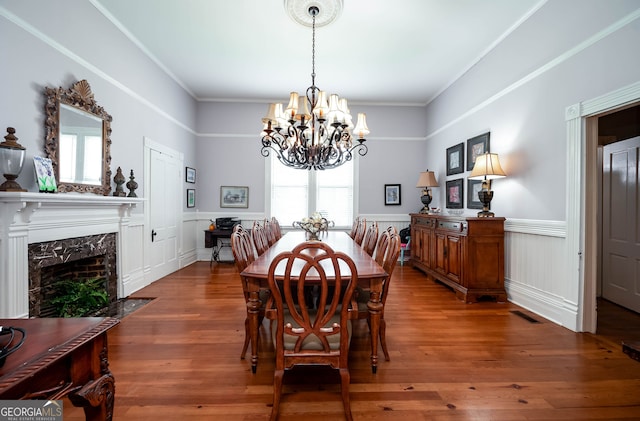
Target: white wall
49	44
54	44
229	154
567	52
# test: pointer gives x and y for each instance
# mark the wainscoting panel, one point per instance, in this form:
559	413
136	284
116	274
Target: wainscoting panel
188	248
195	223
132	265
535	260
536	269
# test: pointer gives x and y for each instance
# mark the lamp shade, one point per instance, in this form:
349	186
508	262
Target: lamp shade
271	114
322	106
427	179
292	108
361	129
487	167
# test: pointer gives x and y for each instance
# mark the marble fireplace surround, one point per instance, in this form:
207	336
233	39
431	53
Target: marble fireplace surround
91	256
28	218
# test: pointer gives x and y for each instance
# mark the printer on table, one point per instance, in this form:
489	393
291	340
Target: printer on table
226	223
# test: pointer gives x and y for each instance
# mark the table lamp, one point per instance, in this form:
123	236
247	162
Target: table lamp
11	160
486	168
427	179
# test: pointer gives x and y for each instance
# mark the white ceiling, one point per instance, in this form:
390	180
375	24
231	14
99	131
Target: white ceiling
396	52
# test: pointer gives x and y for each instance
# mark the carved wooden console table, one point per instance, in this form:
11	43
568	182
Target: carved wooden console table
62	357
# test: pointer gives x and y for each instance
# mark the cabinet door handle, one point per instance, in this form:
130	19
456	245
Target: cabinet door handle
153	235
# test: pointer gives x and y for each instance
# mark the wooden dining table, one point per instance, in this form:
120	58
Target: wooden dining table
370	275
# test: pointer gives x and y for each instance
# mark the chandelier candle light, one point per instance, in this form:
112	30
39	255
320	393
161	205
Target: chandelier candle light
320	139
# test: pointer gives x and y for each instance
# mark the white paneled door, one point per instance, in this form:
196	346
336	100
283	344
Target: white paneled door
621	227
164	206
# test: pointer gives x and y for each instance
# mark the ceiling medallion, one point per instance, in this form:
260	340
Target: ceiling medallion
328	11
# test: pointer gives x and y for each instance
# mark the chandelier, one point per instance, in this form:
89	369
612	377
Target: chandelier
320	139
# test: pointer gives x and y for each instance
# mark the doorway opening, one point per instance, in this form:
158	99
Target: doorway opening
618	143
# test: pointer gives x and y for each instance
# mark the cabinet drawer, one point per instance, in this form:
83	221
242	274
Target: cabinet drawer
424	222
455	226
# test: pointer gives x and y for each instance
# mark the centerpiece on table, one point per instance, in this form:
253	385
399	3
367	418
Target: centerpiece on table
314	225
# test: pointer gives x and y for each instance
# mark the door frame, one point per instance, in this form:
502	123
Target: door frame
583	235
150	145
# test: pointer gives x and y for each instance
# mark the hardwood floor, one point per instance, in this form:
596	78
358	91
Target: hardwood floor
177	358
617	323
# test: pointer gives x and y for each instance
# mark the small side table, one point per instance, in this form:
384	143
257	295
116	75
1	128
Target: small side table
62	357
213	240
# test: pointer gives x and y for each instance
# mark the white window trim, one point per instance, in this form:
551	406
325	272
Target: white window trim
267	190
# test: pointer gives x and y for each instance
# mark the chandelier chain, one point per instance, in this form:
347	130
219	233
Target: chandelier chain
313	49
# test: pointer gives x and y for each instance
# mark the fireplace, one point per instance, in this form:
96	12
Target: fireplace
91	256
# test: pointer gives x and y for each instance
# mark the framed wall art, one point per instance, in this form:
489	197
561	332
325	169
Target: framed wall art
234	197
455	159
191	198
476	146
455	194
190	175
392	194
473	187
44	174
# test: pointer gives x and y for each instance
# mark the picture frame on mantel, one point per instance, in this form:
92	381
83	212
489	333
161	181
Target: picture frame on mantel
44	174
455	194
455	159
476	146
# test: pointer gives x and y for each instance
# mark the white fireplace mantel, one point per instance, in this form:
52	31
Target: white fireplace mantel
27	217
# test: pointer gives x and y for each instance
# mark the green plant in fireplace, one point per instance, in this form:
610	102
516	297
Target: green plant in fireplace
79	298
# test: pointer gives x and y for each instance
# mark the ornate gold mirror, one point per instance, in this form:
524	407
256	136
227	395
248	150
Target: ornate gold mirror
78	140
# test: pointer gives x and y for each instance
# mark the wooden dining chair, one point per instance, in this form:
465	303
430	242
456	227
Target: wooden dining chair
388	251
360	231
243	255
270	232
354	227
277	228
381	246
260	241
370	238
312	336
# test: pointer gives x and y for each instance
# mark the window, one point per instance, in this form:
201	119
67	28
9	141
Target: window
80	158
298	193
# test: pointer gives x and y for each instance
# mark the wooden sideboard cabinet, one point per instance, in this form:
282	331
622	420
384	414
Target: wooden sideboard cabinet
465	253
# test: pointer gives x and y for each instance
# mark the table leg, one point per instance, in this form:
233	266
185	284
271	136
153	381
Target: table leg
96	396
375	312
253	310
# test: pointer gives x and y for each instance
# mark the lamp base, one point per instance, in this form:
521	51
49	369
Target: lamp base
485	197
11	185
426	200
486	214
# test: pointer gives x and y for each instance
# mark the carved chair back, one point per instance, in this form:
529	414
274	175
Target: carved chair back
314	335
